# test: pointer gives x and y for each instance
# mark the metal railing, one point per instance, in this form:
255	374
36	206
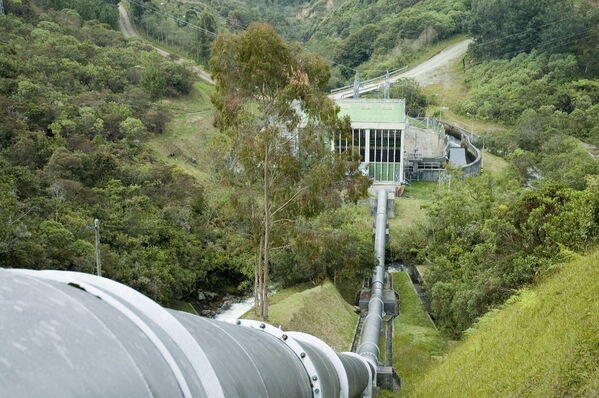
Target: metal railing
443	129
381	77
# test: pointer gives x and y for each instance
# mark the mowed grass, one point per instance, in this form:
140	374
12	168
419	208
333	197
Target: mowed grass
417	344
408	213
320	311
421	190
543	343
494	164
190	140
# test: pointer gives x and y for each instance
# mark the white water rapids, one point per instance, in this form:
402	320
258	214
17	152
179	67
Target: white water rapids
236	310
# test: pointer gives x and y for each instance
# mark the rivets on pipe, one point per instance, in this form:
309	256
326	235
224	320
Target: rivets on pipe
290	341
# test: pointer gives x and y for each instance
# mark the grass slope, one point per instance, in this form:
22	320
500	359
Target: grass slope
543	343
188	140
320	311
447	89
417	344
494	164
408	213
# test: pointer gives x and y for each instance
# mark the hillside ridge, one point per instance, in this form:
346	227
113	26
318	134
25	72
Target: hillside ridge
543	342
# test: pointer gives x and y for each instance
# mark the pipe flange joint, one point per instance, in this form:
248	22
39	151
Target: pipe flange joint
331	355
290	342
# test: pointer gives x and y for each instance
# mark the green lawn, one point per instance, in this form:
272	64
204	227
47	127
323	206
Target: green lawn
408	213
417	344
494	164
320	311
421	190
543	343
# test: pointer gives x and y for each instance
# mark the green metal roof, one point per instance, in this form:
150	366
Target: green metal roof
373	110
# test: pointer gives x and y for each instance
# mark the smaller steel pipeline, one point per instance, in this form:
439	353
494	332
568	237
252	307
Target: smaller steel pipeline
369	348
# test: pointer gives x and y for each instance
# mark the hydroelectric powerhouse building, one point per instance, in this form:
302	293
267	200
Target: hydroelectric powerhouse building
378	128
396	149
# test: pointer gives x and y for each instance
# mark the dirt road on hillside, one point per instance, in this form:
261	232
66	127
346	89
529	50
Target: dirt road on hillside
424	73
128	32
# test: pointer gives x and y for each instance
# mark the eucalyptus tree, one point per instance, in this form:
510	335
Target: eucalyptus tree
270	102
204	36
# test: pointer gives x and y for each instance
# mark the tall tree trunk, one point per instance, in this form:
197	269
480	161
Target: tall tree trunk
266	238
258	280
257	271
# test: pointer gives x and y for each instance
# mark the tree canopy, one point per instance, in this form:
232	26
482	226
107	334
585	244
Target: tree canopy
77	103
505	28
409	89
270	102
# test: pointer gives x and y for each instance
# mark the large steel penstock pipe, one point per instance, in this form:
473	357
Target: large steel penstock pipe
67	334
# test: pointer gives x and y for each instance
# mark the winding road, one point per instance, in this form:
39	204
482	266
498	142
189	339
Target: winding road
420	72
128	32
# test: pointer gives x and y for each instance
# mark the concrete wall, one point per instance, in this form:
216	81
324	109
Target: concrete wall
467	138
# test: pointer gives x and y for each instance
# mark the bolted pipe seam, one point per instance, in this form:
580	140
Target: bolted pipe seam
297	349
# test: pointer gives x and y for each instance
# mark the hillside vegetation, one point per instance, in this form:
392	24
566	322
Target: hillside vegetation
544	342
77	104
382	34
372	36
96	126
485	238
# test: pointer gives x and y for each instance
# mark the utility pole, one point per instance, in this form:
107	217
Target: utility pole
1	8
98	259
387	84
471	121
357	85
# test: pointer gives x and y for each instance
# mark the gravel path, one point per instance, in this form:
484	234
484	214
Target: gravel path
128	31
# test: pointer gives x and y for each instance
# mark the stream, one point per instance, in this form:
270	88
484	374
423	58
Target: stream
236	310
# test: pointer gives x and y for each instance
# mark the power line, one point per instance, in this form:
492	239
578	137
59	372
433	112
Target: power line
522	32
558	40
173	17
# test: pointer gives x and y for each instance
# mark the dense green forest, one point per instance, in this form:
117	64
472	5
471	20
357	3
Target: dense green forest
489	237
533	68
78	103
535	61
